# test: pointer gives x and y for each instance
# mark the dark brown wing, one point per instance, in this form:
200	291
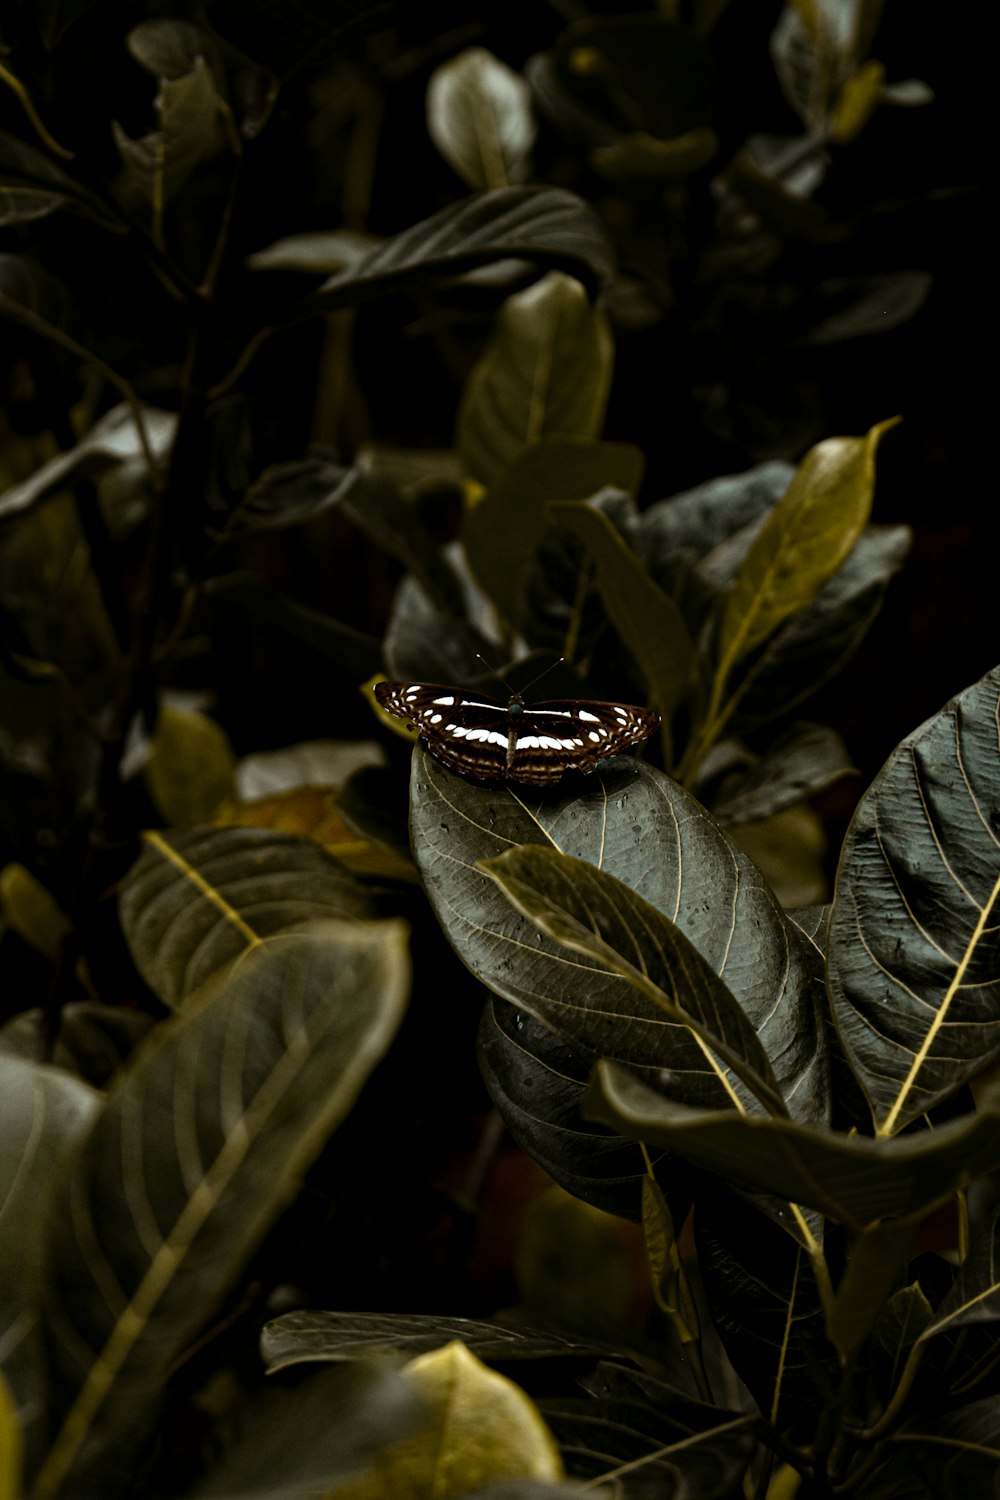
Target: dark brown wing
468	734
561	735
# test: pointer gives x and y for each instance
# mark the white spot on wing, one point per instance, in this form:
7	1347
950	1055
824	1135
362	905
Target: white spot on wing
595	736
590	718
446	702
435	718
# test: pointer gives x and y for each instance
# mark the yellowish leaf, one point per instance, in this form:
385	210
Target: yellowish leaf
856	101
31	910
190	766
11	1445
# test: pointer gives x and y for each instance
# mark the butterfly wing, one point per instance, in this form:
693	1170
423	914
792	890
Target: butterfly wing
466	733
560	735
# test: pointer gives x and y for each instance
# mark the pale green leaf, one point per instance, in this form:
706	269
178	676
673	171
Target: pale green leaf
191	765
480	118
546	372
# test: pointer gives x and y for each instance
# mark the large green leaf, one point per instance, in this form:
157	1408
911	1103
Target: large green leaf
661	1441
479	117
958	1449
647	619
545	372
605	931
699	880
309	1336
914	956
198	897
503	531
158	1208
42	1112
853	1179
548	226
800	763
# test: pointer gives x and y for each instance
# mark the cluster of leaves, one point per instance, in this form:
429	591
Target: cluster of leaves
192	1019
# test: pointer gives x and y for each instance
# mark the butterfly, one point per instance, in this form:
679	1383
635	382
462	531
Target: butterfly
531	744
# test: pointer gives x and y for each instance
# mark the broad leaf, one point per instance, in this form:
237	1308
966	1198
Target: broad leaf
112	441
898	1327
805	539
32	185
42	1112
958	1450
606	932
425	643
800	763
190	767
647	619
198	897
159	164
876	1261
658	1440
156	1211
700	881
975	1295
914	958
853	1179
545	372
537	1084
504	530
292	493
869	304
547	226
304	1337
479	117
764	1303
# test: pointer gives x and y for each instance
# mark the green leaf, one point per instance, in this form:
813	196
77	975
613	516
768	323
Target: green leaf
642	159
699	880
159	1207
975	1293
631	1421
479	117
113	441
307	1336
536	1083
876	1260
805	539
662	976
31	911
853	1179
548	226
42	1112
503	531
898	1327
765	1305
190	767
914	957
352	652
32	186
11	1445
546	372
869	304
958	1450
289	494
159	164
316	251
647	619
198	897
800	763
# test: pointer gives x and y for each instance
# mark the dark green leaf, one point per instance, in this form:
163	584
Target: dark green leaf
159	164
301	1337
647	620
546	372
876	1260
157	1209
42	1112
503	531
800	763
198	897
898	1327
640	159
291	493
975	1295
914	958
537	1083
32	185
638	971
351	651
667	1445
764	1304
869	304
427	644
547	226
851	1178
699	880
958	1451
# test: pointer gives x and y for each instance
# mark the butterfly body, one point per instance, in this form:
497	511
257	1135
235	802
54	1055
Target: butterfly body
533	745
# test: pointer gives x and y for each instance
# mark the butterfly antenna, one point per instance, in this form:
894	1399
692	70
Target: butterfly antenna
496	674
550	668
